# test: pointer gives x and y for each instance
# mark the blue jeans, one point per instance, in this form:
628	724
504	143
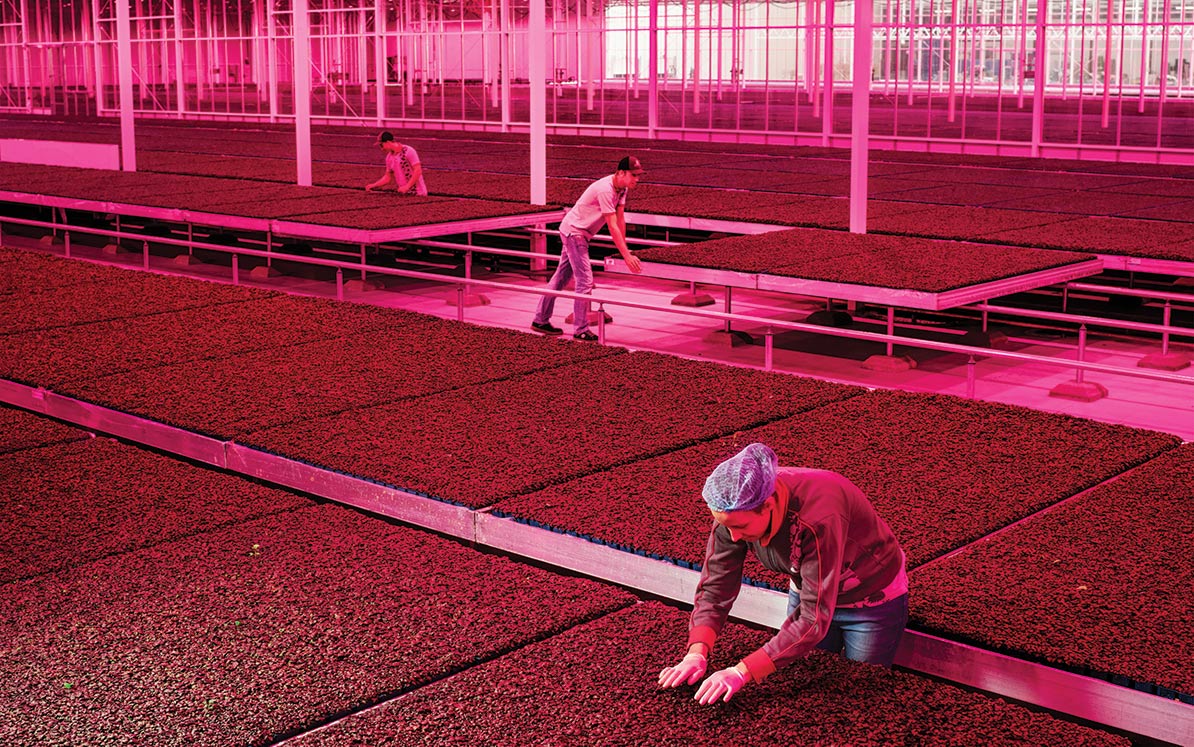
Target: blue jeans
870	634
574	261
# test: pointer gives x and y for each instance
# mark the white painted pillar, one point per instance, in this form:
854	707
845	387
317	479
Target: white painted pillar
43	55
88	52
100	60
810	43
827	90
28	62
1144	55
488	65
180	89
124	64
719	59
537	73
379	56
953	61
1039	75
142	53
860	117
504	66
301	23
592	65
258	59
362	52
164	48
696	56
216	55
271	54
1167	8
653	70
407	51
201	64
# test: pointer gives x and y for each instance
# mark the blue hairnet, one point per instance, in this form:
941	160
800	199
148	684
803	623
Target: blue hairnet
743	481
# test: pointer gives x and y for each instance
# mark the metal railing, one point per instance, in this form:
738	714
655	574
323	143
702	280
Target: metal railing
462	285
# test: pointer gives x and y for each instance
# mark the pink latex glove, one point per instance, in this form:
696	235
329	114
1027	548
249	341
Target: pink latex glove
721	684
689	671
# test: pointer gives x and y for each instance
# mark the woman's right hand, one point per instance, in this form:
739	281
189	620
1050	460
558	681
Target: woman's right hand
689	671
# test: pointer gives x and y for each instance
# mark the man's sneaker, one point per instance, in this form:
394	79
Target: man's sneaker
546	328
585	336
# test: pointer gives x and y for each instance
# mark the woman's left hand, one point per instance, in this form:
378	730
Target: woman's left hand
721	684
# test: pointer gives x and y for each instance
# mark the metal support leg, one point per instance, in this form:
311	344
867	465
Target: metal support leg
728	333
538	246
188	257
1080	374
1165	321
692	298
339	284
768	349
889	362
890	330
468	297
1165	360
113	245
1080	389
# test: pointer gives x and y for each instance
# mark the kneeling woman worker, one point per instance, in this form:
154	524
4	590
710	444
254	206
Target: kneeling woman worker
849	587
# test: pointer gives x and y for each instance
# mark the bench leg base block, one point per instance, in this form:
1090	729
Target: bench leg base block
594	317
693	300
1082	391
1164	361
468	300
889	363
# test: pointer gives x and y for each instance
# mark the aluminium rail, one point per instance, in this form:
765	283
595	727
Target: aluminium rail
772	325
1115	290
1076	694
1166	329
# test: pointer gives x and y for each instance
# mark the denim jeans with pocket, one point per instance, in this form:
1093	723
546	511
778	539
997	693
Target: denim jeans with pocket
870	634
574	262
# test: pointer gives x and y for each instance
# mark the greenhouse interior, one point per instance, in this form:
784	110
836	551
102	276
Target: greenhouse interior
597	372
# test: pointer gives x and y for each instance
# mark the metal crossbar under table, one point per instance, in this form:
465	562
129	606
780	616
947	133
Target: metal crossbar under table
880	295
168	214
1125	263
1078	695
296	229
715	225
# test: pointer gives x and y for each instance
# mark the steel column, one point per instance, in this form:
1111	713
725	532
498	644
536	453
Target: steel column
300	25
864	11
124	63
653	69
537	48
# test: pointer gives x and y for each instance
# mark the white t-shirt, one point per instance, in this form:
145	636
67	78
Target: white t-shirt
403	165
588	214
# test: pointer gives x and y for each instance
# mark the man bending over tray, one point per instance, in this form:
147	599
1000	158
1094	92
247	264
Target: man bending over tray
402	167
849	587
603	203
